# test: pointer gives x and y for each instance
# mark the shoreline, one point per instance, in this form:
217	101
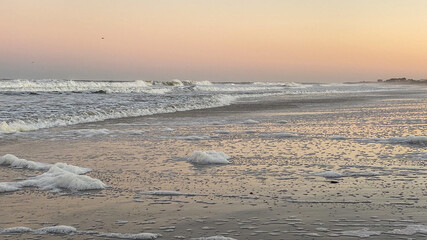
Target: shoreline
276	186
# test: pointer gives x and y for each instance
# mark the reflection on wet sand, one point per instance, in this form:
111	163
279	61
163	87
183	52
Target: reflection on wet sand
294	173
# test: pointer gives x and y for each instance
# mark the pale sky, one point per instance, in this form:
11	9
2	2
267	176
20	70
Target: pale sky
215	40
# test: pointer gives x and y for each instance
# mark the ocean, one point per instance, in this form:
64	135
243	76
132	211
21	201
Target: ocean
28	105
205	160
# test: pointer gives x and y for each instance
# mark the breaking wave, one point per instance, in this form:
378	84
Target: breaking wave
28	105
101	114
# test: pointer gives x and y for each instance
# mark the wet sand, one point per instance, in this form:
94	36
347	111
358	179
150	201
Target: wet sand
272	189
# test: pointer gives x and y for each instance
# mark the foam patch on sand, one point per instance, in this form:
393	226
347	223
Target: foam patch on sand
58	176
213	238
362	233
140	236
282	121
250	121
410	230
8	187
15	230
56	179
409	140
61	230
208	157
68	230
15	162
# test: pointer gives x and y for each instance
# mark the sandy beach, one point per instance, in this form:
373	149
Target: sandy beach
300	167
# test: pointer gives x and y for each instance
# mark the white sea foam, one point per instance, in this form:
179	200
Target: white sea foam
362	233
236	88
175	82
410	230
8	187
202	83
139	236
54	85
56	179
208	157
287	84
15	162
250	121
58	176
69	230
167	130
15	230
61	229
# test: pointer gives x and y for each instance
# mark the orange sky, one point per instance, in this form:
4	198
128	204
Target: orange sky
217	40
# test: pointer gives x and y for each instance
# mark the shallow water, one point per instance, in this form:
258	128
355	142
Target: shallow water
331	165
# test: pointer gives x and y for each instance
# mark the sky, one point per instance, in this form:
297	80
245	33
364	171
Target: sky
214	40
